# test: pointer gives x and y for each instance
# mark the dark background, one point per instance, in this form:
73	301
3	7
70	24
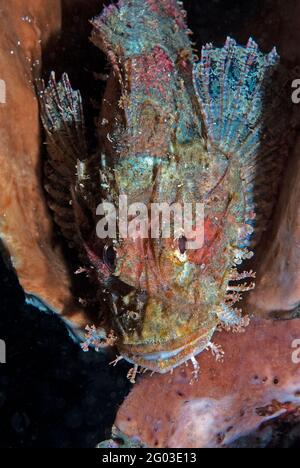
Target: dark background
51	393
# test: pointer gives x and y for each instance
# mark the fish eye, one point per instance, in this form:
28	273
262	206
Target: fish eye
182	244
110	257
134	315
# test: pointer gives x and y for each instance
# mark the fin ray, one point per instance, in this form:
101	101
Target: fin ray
63	121
242	107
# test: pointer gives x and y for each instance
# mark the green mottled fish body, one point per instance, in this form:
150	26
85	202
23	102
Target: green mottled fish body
173	131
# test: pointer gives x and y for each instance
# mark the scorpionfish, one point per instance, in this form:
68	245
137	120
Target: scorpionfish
173	129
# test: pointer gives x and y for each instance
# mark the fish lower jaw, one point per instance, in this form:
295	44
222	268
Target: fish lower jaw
164	361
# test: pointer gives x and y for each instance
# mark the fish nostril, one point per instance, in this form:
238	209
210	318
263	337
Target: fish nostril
110	257
182	244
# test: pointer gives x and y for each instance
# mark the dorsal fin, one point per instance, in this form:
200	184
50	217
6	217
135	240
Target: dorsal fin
244	118
67	167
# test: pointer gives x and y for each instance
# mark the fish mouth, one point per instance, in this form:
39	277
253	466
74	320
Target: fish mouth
168	357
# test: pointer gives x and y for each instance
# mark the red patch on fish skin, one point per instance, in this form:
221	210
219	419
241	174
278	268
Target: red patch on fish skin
154	69
211	232
153	6
171	9
141	267
97	263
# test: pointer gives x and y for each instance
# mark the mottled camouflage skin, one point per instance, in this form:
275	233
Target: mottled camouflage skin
174	130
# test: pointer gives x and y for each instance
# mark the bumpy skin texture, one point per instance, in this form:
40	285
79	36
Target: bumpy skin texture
179	131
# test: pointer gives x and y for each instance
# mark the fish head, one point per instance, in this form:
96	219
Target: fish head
162	299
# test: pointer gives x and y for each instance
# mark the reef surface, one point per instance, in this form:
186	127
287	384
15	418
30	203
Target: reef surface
258	382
